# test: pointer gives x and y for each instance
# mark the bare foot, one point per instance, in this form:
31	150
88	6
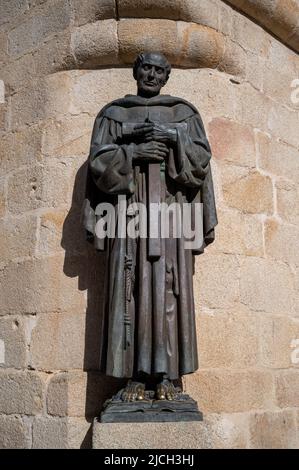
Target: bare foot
133	391
166	390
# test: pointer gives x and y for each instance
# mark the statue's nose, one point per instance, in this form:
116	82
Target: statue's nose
151	73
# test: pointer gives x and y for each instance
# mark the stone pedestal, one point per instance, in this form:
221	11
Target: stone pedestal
184	435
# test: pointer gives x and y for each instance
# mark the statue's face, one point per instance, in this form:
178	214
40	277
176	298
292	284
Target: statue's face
151	75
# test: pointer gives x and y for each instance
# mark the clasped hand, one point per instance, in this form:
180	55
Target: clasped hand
155	140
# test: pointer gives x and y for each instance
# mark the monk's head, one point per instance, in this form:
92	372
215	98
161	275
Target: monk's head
151	71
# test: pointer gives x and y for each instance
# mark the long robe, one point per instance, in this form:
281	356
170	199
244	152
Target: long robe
158	316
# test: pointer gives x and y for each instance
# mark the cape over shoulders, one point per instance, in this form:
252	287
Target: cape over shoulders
132	108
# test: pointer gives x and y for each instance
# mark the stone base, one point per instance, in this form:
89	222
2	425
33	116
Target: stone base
185	435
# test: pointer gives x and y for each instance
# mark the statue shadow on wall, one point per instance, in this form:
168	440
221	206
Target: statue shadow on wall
82	261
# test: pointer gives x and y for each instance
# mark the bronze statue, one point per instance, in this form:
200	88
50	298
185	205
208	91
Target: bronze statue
149	148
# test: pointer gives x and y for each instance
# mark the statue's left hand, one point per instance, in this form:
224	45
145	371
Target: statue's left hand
161	133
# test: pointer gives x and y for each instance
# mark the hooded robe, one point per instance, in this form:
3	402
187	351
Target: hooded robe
151	328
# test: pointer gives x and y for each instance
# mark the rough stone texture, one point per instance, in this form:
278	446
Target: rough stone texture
64	348
49	433
273	430
96	44
52	18
278	335
238	234
77	393
216	281
287	201
228	340
225	391
216	431
12	433
272	156
12	333
93	10
279	16
41	285
232	142
18	238
60	63
287	388
249	192
281	242
186	44
21	392
267	286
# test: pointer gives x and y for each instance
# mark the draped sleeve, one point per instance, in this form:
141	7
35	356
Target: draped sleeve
188	162
111	163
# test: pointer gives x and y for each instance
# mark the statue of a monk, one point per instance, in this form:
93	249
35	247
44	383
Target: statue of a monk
148	148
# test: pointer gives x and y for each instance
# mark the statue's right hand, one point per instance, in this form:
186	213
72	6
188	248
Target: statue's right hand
150	152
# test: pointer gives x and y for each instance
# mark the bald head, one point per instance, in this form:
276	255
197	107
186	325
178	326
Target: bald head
151	71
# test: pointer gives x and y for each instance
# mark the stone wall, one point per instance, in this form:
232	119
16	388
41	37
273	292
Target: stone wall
61	61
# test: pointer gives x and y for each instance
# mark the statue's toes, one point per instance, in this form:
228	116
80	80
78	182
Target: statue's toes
161	393
140	394
134	396
170	396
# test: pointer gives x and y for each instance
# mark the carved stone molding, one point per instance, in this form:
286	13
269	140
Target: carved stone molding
280	17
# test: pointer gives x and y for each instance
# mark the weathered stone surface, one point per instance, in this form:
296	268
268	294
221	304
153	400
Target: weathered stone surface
71	344
12	433
96	43
12	333
238	234
169	9
61	433
277	85
185	44
288	201
93	10
78	393
79	433
40	186
232	142
46	21
43	285
216	431
2	197
249	192
267	286
3	48
20	148
227	340
252	107
25	391
225	391
12	9
192	435
281	242
279	17
249	35
67	137
43	99
287	388
273	155
50	233
49	433
87	93
282	123
278	334
18	238
273	430
216	282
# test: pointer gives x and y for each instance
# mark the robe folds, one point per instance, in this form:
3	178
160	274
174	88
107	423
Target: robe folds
151	329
